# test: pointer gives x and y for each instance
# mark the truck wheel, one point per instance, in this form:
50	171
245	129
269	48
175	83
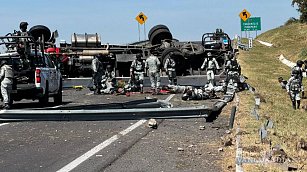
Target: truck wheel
45	99
157	27
39	30
179	59
58	99
159	35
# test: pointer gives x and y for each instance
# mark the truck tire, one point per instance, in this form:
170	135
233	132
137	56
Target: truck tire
157	36
39	30
187	49
45	99
157	27
58	99
179	59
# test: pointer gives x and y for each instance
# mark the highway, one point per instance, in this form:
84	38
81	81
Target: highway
118	145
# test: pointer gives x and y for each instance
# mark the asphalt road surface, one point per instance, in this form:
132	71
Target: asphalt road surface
127	146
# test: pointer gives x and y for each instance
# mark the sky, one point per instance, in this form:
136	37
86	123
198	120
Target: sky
115	20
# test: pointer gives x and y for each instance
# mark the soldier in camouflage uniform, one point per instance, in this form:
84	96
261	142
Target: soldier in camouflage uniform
6	76
211	65
153	66
24	47
137	70
294	87
170	67
108	81
299	68
233	71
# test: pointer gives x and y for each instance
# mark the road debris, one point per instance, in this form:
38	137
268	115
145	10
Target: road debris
180	149
202	127
152	123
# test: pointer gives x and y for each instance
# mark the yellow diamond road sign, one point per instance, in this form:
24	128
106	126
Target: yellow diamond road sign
141	18
244	15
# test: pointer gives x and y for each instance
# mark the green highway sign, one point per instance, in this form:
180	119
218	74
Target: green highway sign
251	24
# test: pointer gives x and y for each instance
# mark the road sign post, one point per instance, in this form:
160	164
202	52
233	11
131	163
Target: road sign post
141	19
250	43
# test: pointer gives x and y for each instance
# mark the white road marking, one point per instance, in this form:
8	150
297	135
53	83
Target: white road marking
3	124
99	147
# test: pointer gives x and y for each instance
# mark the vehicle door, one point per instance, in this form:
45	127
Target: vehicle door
52	74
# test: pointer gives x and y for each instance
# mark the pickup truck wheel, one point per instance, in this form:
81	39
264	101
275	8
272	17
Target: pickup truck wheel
58	99
45	99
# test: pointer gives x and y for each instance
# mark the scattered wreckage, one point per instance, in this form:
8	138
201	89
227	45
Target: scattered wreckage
76	57
189	56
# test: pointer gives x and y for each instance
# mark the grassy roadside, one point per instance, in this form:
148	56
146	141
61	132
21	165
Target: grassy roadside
263	68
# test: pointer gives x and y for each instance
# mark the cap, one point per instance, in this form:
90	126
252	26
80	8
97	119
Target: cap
299	62
23	24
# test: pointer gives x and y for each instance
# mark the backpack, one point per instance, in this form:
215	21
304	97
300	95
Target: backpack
295	85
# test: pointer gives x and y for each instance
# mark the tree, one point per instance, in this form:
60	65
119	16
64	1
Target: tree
302	8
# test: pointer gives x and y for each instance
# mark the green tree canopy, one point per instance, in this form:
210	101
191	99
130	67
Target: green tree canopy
302	8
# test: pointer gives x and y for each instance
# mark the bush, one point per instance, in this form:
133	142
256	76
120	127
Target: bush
291	21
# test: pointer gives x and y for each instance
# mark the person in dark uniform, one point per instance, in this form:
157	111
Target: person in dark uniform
97	73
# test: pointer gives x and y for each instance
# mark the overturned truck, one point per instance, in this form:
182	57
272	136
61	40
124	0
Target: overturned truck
76	56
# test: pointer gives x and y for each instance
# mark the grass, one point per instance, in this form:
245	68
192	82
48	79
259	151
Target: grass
262	67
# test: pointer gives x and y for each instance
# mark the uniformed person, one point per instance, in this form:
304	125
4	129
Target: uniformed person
153	66
282	82
137	71
305	65
299	68
195	94
294	87
24	48
211	66
97	73
233	71
6	76
108	81
170	67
